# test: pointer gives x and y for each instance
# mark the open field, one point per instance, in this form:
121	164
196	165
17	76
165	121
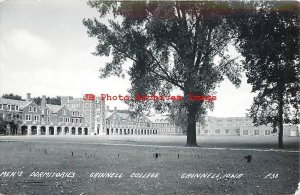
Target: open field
219	164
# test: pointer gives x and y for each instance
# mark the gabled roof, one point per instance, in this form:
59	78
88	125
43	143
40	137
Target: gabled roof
108	114
54	108
123	115
28	103
20	103
159	119
72	109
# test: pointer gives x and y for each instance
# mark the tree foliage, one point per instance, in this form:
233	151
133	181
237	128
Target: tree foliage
269	41
177	44
12	96
50	100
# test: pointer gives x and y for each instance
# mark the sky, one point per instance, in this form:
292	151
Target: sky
45	50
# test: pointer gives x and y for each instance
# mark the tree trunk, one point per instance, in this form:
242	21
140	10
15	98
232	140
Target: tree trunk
191	127
280	116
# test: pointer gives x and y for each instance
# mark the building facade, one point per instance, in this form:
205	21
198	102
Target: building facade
120	122
46	119
93	112
239	126
76	116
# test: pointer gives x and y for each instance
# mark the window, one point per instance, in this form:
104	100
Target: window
34	109
13	107
64	112
237	131
8	107
267	132
206	131
28	117
256	132
36	118
17	107
48	119
48	111
217	131
226	130
1	107
72	120
245	132
30	109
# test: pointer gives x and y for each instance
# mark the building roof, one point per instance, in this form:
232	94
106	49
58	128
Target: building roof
20	103
54	108
108	114
71	108
159	119
123	115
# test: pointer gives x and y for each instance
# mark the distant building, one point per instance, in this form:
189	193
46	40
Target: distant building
121	122
76	116
46	119
165	125
241	126
93	112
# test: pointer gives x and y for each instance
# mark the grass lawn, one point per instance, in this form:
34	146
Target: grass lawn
218	160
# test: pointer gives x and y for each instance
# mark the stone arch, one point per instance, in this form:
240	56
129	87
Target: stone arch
86	131
79	131
24	130
43	130
51	130
73	130
59	130
33	130
67	130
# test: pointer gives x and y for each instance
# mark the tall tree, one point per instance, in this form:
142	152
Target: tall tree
269	41
12	96
171	45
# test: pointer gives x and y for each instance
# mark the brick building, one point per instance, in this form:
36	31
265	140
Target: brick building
93	112
241	126
46	119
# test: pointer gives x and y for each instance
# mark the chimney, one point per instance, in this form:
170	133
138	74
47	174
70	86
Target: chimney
28	99
43	103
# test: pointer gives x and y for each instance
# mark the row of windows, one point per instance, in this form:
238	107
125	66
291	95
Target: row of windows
28	117
32	109
9	107
245	132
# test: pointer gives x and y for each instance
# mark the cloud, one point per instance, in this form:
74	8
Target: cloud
22	43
